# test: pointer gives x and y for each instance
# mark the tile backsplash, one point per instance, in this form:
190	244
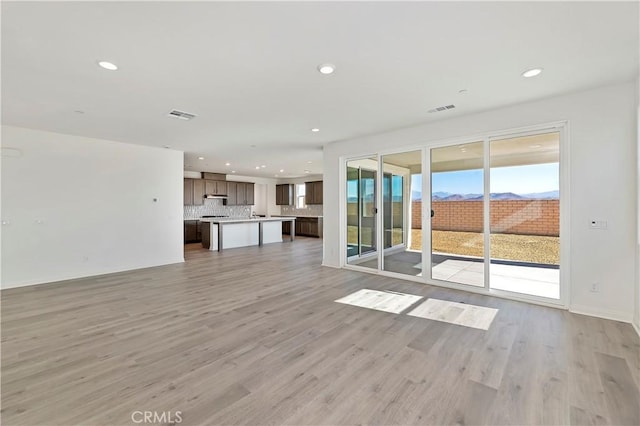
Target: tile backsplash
310	210
214	207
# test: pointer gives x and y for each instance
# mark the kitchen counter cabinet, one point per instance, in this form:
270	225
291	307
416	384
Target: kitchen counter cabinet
306	225
220	234
192	231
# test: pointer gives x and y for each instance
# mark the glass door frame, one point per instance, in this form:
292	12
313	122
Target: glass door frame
343	214
561	127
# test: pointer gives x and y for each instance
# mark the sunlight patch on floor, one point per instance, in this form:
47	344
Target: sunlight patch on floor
386	301
455	313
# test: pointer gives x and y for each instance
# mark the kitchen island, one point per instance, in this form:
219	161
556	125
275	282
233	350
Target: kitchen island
224	233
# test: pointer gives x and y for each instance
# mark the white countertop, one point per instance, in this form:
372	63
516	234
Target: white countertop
246	219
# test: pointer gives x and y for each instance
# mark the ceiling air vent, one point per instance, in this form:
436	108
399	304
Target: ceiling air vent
181	115
442	108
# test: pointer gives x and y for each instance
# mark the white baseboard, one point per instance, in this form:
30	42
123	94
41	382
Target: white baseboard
601	313
330	266
92	274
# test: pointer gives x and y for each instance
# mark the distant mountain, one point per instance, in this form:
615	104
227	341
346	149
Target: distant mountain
506	196
543	195
416	195
440	196
454	197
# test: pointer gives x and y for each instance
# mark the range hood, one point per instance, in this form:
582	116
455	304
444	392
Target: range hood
210	196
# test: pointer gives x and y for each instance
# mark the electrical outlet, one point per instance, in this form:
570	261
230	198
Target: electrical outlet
595	287
597	224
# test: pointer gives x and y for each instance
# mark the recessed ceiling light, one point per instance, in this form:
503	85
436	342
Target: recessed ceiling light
108	65
257	167
462	91
315	129
263	166
281	170
200	158
326	68
227	164
535	146
307	171
233	171
532	72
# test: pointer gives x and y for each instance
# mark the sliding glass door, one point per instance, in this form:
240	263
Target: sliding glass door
525	214
401	207
362	212
457	214
509	186
489	217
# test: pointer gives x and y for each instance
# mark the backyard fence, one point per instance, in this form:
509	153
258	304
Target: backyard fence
525	217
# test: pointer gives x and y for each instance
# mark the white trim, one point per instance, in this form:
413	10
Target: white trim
426	214
486	211
331	266
601	313
636	328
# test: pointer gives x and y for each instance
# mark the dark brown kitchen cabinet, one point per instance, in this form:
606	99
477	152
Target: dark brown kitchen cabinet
198	192
188	192
240	194
251	194
193	192
245	194
313	192
232	189
215	187
284	194
307	226
192	231
286	227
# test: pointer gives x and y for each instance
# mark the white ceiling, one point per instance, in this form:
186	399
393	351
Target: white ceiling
248	70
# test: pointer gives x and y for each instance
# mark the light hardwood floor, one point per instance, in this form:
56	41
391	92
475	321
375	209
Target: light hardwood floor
253	336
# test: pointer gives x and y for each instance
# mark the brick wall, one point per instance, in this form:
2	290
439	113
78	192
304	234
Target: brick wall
526	217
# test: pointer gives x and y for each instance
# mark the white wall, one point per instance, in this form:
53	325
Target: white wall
637	298
75	207
603	184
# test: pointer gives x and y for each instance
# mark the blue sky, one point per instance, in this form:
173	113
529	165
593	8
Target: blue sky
517	179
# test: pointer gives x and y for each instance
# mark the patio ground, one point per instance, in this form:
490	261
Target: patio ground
522	248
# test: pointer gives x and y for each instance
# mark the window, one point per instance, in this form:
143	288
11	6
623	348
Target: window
300	196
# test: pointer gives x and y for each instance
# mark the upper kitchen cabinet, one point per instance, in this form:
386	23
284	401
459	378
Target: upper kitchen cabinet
313	192
232	189
240	194
198	192
188	192
244	194
194	192
284	194
215	187
250	194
